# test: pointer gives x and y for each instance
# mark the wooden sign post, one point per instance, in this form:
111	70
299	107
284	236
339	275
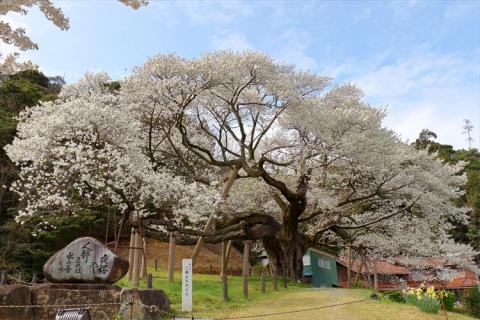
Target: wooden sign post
187	285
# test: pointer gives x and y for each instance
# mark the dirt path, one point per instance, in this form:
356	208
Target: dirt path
313	298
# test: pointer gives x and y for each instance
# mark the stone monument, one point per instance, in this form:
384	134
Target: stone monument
85	260
83	274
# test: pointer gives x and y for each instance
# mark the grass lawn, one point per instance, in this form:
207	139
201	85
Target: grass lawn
207	301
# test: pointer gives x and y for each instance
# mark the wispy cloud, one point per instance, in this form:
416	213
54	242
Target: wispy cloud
231	40
222	12
427	90
292	46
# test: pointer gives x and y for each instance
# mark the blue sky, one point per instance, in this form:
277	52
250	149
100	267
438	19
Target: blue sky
419	59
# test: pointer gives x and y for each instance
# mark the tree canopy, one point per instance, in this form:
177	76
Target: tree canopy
302	161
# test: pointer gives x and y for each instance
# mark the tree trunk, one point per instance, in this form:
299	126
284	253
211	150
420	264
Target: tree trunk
292	242
285	254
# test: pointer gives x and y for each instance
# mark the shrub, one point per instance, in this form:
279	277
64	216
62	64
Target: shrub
448	298
411	299
472	300
395	296
428	304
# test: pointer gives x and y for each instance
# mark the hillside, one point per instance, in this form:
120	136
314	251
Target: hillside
209	256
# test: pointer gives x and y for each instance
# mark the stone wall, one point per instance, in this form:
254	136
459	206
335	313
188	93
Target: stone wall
50	295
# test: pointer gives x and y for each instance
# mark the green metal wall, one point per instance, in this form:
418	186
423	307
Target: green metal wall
321	276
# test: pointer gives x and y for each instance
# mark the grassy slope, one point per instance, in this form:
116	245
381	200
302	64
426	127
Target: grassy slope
207	301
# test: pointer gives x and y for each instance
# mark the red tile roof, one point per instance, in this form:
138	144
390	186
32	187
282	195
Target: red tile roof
463	279
382	267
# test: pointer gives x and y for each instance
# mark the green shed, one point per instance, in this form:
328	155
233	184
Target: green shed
320	268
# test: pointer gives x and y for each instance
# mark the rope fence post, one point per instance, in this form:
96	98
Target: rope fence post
262	282
223	272
149	281
131	308
156	264
143	270
275	280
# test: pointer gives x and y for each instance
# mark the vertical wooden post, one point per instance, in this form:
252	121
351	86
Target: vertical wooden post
375	280
357	276
284	279
224	262
156	264
131	253
246	267
3	278
34	279
275	280
171	257
229	250
223	275
144	259
349	267
149	281
136	259
262	282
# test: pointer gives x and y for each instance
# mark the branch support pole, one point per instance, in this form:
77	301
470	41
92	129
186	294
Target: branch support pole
131	253
349	267
246	267
171	257
211	220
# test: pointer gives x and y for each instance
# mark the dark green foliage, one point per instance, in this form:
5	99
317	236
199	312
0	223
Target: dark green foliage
395	296
472	301
449	300
28	253
18	249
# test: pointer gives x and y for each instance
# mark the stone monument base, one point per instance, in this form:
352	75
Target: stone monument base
103	301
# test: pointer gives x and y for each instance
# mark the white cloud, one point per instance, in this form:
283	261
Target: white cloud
292	45
231	40
426	90
223	12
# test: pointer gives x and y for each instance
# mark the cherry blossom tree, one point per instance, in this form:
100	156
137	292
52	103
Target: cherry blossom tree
312	156
18	37
85	150
237	146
